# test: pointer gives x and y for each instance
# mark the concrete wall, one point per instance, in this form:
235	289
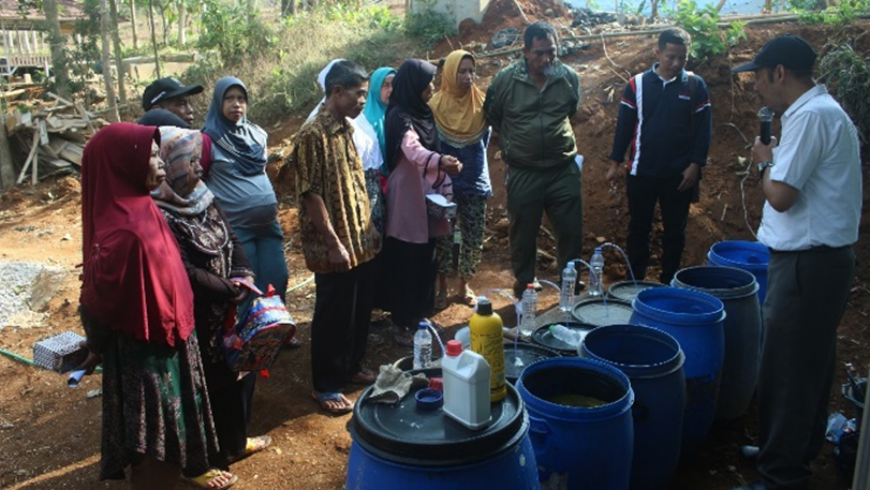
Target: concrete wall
458	10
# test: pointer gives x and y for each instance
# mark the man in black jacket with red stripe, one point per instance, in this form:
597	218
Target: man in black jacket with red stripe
665	122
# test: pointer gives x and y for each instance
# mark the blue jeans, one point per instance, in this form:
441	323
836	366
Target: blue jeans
264	246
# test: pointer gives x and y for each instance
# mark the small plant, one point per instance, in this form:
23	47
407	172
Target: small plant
708	39
849	74
810	12
428	25
235	32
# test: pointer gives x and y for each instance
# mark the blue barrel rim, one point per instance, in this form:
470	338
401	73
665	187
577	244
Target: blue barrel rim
639	371
676	318
403	460
757	247
608	410
478	447
739	292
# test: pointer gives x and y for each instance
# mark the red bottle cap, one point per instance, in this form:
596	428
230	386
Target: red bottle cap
436	384
454	348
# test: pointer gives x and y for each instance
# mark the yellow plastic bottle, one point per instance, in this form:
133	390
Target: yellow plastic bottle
487	339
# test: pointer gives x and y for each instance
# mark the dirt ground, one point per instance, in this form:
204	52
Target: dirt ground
50	435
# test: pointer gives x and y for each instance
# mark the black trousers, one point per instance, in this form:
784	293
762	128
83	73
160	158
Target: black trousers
643	194
806	297
410	270
340	328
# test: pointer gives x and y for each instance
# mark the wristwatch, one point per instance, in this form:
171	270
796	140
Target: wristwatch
762	166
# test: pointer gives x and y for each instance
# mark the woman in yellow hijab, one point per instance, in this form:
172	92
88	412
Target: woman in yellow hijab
464	134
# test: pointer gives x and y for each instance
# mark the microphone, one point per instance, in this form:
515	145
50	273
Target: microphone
765	114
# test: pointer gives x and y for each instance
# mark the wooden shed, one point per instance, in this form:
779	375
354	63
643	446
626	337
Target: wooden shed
24	35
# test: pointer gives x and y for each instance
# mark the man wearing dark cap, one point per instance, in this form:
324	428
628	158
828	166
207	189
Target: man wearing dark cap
170	94
812	186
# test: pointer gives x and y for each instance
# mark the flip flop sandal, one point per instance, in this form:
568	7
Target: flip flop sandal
469	298
253	445
364	377
332	396
203	480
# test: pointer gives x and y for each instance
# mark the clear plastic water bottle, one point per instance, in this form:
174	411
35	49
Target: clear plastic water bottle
530	308
596	284
569	281
566	335
422	347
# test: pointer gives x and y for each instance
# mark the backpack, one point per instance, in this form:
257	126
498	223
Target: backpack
252	341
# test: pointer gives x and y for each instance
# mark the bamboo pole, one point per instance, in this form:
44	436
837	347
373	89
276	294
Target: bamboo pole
30	158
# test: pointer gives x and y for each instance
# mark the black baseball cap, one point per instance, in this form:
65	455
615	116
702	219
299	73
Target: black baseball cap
789	51
166	88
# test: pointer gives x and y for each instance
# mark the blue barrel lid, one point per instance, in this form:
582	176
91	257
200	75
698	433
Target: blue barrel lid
404	434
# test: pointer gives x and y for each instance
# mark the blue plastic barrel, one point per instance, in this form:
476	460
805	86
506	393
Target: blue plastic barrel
750	256
581	427
696	320
402	447
737	290
653	362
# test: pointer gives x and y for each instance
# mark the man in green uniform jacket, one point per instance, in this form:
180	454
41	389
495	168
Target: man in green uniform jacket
529	103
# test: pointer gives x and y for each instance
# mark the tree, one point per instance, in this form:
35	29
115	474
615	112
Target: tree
105	28
154	39
56	45
288	7
7	169
133	24
116	42
182	23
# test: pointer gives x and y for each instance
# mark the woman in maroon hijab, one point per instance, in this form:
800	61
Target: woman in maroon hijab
137	309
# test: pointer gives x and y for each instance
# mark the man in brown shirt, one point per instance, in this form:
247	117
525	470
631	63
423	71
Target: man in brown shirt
338	238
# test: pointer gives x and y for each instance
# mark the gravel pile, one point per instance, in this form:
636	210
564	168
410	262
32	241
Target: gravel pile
25	289
587	18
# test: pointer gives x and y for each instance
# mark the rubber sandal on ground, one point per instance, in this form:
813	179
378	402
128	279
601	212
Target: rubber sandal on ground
469	298
324	399
253	445
364	377
440	300
211	476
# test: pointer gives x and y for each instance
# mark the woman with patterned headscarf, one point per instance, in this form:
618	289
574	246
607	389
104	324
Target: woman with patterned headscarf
137	311
216	265
462	129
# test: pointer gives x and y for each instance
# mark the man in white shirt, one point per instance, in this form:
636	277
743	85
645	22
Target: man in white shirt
812	186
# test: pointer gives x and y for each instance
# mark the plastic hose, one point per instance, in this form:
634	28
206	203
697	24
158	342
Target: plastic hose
30	362
307	281
17	357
